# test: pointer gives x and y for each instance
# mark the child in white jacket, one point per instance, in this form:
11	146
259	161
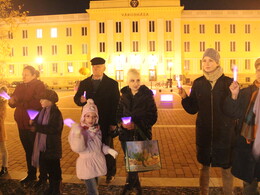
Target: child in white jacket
86	140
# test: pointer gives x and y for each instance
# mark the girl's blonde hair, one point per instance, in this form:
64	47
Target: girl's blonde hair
132	71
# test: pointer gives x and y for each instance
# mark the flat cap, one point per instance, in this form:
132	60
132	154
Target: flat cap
97	61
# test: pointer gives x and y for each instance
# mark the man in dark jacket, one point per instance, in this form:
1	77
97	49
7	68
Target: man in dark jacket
105	93
240	105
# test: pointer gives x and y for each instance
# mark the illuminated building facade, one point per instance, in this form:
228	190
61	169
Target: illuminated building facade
158	37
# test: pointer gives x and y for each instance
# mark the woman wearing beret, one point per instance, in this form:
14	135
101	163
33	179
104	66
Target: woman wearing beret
214	130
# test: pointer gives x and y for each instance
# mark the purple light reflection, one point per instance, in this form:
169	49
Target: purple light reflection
32	113
166	98
126	120
4	95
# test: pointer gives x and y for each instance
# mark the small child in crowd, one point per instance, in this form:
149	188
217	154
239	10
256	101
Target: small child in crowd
3	150
47	149
86	140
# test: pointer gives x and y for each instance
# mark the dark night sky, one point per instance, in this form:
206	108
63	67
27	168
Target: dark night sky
44	7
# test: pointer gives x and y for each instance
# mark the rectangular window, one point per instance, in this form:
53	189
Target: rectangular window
11	52
248	80
202	28
186	29
135	26
202	46
118	27
69	49
135	46
168	45
247	64
247	46
232	28
10	35
39	50
40	68
101	27
118	46
25	51
186	64
217	28
25	34
168	26
232	63
68	32
186	46
70	67
84	31
11	69
84	48
151	45
54	67
85	64
102	47
247	28
232	46
54	32
151	26
217	46
54	50
39	33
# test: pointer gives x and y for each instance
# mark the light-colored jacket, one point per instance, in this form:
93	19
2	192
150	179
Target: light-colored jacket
91	162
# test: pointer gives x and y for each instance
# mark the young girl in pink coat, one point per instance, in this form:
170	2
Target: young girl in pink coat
86	140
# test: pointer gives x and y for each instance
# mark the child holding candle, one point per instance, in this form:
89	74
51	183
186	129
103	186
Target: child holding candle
3	149
86	140
244	106
47	150
214	129
137	102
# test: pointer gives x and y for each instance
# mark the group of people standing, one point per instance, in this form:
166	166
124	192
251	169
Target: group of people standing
226	126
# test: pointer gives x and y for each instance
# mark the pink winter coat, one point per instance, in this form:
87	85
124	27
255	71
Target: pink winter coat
91	162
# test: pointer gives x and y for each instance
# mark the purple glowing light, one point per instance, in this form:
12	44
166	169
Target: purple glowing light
154	91
126	120
235	70
84	94
166	98
69	122
32	113
4	95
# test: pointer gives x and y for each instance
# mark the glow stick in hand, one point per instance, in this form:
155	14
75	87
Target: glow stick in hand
126	120
178	81
4	95
84	94
69	122
235	73
32	113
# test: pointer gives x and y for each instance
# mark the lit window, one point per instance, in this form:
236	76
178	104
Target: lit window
232	46
247	64
85	64
168	45
39	33
69	49
247	28
187	46
70	67
11	69
11	54
10	35
217	46
54	67
25	34
186	64
151	45
25	51
202	28
202	46
39	50
54	32
135	46
232	63
102	47
247	46
84	48
217	28
232	28
54	50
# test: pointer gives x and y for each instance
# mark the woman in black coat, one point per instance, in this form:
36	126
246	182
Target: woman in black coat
214	130
240	105
137	101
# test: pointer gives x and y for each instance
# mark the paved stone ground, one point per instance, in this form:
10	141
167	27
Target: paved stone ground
13	187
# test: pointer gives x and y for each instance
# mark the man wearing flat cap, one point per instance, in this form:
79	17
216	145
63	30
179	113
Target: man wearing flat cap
105	93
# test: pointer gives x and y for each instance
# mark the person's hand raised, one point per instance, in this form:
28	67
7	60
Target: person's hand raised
234	88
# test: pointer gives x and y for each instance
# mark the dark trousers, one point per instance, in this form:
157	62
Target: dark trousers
27	138
110	161
52	168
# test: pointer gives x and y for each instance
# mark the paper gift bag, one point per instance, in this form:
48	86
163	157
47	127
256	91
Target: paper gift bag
142	156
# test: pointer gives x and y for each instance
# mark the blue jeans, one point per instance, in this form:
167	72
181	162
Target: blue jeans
92	186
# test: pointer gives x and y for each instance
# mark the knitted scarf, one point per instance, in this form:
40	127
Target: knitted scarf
256	145
40	138
212	77
249	125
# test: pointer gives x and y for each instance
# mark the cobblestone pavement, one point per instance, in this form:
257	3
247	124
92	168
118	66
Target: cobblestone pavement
13	187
